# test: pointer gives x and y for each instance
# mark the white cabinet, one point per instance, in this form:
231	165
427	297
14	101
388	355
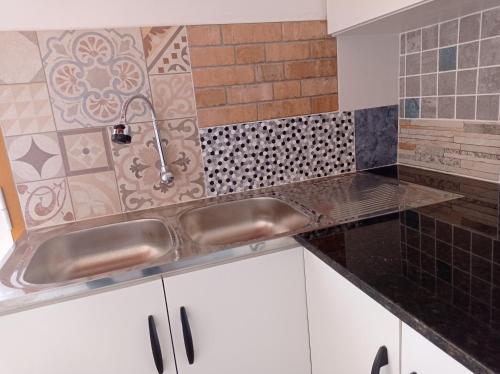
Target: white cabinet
420	356
245	317
347	327
344	14
103	333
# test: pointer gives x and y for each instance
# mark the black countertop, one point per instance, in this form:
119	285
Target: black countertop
437	268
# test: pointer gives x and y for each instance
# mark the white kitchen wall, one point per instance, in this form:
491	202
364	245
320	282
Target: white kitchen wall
77	14
366	66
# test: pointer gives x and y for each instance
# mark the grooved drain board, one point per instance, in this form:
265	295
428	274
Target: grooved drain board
380	199
360	196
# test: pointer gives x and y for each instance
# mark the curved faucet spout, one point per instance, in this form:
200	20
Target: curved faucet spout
120	135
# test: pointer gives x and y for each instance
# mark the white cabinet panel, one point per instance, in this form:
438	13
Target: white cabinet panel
103	333
346	326
420	356
344	14
246	317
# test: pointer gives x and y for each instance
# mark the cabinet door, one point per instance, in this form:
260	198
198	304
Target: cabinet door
346	327
245	317
344	14
103	333
420	356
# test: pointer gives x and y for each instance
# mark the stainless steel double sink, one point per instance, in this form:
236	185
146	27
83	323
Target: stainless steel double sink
120	246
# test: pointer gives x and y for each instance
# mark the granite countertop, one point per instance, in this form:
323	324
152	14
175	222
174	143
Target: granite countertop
436	267
436	264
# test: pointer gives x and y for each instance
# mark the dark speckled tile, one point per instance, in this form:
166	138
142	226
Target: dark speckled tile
376	132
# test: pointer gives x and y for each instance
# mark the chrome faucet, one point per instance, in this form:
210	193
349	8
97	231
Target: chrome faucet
121	135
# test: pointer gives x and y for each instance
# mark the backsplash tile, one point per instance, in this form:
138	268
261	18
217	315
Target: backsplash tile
25	109
454	146
91	73
173	96
20	62
137	172
85	151
467	63
46	203
261	154
166	49
376	137
35	157
94	195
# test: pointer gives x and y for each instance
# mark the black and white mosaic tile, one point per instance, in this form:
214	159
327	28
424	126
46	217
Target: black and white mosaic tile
261	154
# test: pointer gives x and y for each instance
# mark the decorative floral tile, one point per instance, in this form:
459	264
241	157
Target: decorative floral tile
94	195
91	74
261	154
173	96
25	109
137	166
46	203
35	157
166	49
85	151
20	60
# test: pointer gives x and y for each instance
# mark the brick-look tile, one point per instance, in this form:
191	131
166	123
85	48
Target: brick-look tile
250	93
227	114
310	69
304	30
204	35
324	48
284	108
251	33
220	76
212	56
209	97
287	51
286	89
250	54
319	86
269	72
327	103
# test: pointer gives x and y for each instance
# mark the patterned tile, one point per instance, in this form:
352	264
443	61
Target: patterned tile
25	109
94	195
137	166
173	96
261	154
85	151
166	49
35	157
46	203
91	73
20	60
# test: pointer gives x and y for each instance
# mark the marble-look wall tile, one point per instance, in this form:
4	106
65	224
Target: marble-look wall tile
138	171
376	137
466	54
261	154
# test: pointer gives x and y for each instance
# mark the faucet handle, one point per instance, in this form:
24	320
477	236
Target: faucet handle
121	134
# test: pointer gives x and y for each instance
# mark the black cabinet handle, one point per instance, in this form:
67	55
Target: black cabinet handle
188	338
381	360
155	345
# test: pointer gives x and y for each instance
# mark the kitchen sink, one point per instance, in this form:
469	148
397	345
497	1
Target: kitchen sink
100	250
243	220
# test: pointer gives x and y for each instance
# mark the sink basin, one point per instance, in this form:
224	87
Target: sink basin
100	250
241	221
